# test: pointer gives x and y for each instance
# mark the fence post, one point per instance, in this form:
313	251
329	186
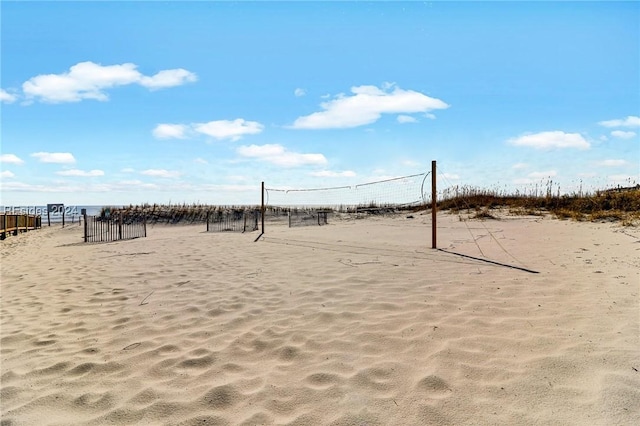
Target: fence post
144	223
84	217
63	217
208	213
120	226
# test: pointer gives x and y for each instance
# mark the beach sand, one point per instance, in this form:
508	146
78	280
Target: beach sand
356	323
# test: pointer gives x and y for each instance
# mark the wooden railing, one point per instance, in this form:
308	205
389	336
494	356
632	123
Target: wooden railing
12	224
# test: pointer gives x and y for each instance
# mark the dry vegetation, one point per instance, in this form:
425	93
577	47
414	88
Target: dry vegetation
174	213
618	205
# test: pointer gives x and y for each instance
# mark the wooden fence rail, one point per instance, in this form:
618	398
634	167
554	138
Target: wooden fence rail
12	224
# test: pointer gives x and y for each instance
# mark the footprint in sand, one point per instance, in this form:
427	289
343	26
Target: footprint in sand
322	380
221	397
434	386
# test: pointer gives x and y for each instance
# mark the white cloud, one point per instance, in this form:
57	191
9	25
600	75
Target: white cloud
161	173
299	92
6	174
26	187
612	163
133	185
278	155
127	170
123	186
10	159
630	121
551	140
168	131
406	119
623	135
76	172
542	175
54	157
366	106
88	80
430	116
7	97
329	173
520	166
168	78
604	138
200	161
227	188
226	129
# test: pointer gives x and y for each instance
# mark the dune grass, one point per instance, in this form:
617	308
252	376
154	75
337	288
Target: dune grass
174	213
613	205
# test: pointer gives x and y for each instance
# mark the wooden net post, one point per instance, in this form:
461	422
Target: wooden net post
434	205
263	208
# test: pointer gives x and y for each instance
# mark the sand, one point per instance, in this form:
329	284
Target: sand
356	323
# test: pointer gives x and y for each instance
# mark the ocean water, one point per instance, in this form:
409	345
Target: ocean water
71	213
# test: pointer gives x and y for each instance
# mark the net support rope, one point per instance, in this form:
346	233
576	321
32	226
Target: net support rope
483	225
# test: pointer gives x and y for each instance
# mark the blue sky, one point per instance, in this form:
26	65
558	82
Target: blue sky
132	102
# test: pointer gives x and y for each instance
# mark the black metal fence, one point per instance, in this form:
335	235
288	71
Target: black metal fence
308	217
233	221
113	228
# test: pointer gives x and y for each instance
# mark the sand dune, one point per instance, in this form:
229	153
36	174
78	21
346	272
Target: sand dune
354	323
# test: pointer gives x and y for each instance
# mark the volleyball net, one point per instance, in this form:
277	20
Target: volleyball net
315	205
410	201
